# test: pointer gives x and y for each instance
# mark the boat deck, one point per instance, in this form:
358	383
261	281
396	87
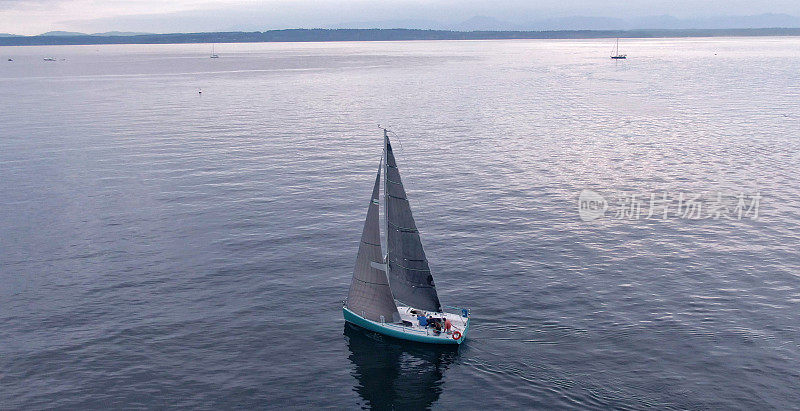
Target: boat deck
409	328
459	323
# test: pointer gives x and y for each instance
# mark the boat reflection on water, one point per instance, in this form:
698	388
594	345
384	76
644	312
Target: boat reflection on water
396	374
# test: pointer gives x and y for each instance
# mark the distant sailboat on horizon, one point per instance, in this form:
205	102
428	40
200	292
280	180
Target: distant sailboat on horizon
615	54
213	54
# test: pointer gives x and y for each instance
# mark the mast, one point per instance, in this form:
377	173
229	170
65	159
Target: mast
385	195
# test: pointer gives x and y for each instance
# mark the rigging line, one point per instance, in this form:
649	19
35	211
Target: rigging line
399	140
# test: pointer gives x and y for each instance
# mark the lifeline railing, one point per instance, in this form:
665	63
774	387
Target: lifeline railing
464	313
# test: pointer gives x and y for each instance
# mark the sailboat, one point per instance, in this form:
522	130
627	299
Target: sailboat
394	294
616	55
213	54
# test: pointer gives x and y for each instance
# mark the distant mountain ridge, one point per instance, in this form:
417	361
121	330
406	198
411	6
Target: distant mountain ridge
121	33
74	33
659	22
62	33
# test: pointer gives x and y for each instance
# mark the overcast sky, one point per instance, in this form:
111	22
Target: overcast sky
159	16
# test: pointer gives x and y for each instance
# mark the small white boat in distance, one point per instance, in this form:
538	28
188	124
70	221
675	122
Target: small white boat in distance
50	59
213	54
615	53
394	294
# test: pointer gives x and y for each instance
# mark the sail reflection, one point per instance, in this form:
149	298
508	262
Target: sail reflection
395	374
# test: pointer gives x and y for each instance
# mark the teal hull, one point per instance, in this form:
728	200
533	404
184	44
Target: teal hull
396	331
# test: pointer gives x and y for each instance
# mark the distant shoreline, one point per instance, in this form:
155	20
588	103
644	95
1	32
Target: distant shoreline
322	35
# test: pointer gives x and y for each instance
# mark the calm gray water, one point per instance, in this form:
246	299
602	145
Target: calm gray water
162	247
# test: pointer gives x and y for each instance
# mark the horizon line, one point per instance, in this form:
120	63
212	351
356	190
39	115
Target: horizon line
376	34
